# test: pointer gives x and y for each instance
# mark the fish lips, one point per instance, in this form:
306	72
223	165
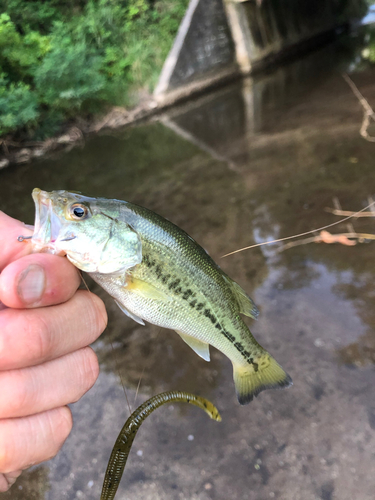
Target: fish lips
47	224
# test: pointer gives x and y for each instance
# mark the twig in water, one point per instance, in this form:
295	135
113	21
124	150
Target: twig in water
368	112
352	214
348	239
355	215
337	210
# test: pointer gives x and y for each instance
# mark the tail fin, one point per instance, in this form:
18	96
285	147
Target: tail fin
252	379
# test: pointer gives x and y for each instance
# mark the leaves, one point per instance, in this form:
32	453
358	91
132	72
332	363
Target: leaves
18	105
68	76
59	57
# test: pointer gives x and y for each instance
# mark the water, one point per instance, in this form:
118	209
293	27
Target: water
370	17
257	160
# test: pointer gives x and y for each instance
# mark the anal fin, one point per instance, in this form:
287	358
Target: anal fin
130	314
201	348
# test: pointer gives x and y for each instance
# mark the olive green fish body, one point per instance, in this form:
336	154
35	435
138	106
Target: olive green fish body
192	295
164	278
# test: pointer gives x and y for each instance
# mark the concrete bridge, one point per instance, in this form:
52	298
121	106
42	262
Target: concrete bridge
219	39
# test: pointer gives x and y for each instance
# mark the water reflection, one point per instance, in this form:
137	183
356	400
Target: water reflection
227	123
360	290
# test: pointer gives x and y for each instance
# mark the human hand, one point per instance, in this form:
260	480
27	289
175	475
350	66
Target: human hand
46	325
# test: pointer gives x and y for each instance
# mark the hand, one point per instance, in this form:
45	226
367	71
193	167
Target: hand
46	326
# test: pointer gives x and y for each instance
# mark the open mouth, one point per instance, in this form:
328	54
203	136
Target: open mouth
47	224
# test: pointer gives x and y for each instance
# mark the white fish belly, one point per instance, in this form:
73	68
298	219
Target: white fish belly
176	315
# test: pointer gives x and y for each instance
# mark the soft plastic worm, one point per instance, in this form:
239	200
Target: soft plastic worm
121	449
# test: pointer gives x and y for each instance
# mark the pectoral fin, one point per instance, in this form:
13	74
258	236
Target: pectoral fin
130	314
144	289
201	348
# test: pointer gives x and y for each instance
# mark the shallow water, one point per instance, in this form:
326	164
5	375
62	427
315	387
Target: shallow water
256	160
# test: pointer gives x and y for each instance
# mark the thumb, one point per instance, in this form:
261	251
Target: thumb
11	249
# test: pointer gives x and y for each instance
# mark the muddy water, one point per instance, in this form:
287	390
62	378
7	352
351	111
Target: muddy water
257	160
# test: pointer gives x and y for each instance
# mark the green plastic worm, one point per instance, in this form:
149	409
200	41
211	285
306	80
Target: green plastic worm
121	449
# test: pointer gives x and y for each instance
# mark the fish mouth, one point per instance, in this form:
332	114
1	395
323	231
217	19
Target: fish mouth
47	224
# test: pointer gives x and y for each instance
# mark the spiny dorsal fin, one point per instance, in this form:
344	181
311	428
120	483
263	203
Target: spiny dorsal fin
201	348
245	303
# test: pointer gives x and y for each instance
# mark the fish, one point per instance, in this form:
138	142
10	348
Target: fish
157	273
124	441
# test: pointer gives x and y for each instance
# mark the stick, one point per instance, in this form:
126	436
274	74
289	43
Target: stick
361	237
368	112
355	214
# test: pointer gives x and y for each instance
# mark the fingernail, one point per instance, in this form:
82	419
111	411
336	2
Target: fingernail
11	477
31	284
11	480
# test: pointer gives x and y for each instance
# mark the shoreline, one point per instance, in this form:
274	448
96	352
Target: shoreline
12	153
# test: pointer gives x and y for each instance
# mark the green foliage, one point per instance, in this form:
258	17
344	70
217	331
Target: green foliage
39	14
18	54
68	76
62	57
18	105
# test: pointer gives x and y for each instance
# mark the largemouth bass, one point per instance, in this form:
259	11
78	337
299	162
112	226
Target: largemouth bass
157	273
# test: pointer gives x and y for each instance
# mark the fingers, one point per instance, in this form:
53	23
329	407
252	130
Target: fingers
30	440
45	327
6	480
38	280
50	385
11	248
34	336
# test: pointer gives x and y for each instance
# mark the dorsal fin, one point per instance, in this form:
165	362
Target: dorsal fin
201	348
245	303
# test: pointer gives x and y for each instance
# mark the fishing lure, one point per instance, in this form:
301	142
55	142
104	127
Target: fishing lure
124	441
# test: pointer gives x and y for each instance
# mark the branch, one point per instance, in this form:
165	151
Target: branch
348	239
368	112
335	211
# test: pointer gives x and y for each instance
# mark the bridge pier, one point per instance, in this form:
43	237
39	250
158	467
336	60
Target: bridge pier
220	39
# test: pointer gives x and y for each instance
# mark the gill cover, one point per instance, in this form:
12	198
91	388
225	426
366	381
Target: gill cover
112	248
96	243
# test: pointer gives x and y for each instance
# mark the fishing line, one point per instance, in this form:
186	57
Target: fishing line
301	234
139	384
120	376
143	371
113	351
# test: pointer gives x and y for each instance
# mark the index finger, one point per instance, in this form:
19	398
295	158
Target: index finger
11	249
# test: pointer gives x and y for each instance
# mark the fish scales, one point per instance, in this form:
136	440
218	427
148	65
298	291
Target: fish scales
201	303
157	273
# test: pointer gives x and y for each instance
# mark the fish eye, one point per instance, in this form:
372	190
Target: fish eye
78	212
